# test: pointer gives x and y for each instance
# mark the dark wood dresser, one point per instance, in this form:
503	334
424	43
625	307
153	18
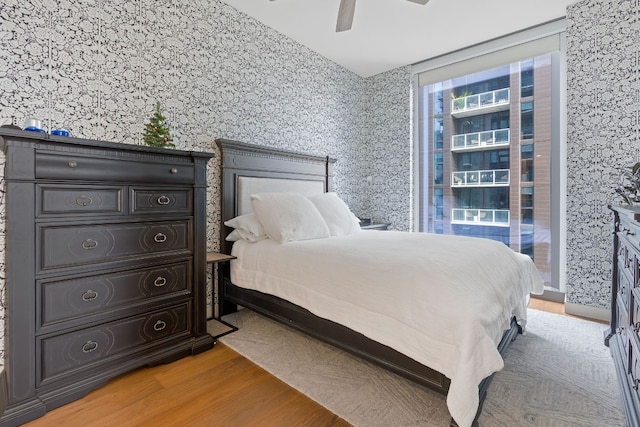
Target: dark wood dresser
623	336
106	264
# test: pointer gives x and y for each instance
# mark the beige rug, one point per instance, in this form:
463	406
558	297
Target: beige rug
558	374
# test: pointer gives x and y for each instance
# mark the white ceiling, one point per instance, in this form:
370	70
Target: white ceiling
387	34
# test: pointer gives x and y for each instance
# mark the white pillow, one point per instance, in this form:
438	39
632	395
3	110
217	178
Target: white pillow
247	227
234	236
287	217
339	218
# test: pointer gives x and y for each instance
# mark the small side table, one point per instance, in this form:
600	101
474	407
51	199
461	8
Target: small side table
375	226
215	258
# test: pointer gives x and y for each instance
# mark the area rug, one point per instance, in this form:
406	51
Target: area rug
558	374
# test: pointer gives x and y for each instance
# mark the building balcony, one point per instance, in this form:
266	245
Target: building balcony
482	103
481	140
481	178
492	217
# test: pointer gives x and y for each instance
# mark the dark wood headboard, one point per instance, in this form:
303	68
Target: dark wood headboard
248	160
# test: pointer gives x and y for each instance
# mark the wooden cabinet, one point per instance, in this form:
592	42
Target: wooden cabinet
106	264
623	336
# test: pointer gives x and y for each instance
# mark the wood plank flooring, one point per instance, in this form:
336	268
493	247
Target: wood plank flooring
216	388
555	307
549	306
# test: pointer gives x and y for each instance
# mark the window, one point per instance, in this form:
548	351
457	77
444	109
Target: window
471	103
437	204
526	78
526	162
438	100
438	168
437	133
526	205
526	120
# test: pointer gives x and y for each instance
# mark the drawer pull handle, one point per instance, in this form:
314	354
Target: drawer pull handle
629	232
84	201
173	171
89	346
72	164
163	200
160	281
89	295
89	244
636	384
160	238
159	325
636	327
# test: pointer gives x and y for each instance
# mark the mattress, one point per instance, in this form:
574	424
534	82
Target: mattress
442	300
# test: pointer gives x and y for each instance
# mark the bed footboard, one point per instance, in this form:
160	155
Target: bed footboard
336	335
354	342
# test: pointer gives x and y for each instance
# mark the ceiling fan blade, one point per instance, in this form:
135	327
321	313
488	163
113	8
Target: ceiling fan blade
345	15
419	1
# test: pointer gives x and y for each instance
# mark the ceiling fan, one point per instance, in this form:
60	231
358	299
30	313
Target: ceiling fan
346	9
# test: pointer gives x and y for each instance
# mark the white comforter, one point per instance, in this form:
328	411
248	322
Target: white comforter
444	301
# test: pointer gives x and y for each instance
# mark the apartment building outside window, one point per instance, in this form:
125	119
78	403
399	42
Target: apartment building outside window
487	135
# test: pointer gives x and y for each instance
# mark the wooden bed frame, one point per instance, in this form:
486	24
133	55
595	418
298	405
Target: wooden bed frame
247	160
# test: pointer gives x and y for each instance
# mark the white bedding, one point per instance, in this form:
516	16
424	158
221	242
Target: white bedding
444	301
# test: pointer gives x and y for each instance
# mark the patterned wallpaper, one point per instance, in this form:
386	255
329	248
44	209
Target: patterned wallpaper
603	97
387	150
97	68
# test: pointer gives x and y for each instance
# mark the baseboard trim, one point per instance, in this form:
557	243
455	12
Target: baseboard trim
550	295
4	390
589	312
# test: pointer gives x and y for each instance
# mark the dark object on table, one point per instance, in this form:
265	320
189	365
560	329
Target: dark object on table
11	127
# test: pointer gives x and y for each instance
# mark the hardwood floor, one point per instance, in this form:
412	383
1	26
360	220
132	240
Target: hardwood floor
555	307
216	388
549	306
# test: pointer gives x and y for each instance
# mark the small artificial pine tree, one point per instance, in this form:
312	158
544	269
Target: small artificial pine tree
156	132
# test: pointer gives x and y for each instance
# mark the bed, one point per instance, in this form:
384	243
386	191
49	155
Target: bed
366	291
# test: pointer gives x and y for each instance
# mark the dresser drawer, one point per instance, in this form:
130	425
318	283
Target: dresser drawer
634	320
633	369
92	347
626	256
63	246
625	285
66	166
79	199
62	300
625	329
161	200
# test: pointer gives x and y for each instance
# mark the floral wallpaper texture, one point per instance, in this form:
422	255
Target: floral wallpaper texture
387	149
603	135
97	68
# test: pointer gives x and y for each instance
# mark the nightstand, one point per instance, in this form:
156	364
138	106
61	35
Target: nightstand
215	258
375	226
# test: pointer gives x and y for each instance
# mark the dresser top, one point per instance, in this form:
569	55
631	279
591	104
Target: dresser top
633	212
8	134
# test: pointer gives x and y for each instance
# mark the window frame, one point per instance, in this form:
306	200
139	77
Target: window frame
558	125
